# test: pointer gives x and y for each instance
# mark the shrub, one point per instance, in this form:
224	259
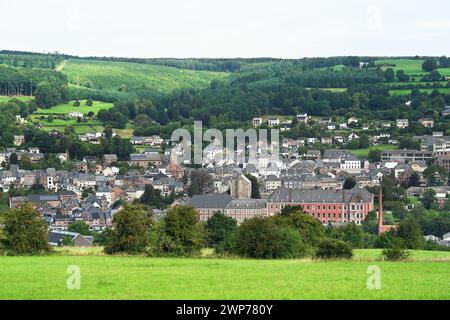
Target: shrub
396	253
23	231
263	238
76	103
89	102
180	233
219	227
334	249
131	226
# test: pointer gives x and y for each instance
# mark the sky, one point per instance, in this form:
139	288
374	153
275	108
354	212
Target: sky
226	29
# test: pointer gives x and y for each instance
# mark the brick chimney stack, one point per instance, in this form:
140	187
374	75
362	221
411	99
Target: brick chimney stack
380	211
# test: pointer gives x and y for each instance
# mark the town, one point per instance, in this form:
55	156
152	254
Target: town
324	174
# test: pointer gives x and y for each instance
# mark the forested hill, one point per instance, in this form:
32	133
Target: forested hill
229	91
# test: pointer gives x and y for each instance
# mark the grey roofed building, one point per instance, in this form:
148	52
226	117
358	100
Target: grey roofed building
354	195
247	204
214	201
56	238
42	198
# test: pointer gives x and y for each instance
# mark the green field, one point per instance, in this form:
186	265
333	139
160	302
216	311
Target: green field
410	66
69	107
21	98
400	92
427	276
365	152
112	75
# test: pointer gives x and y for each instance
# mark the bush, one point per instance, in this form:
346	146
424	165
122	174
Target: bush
396	253
334	249
76	103
24	232
180	233
89	102
131	227
263	238
219	227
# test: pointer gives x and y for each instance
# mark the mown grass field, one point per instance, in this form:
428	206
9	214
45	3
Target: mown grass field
112	75
66	108
365	152
426	276
400	92
89	126
410	66
21	98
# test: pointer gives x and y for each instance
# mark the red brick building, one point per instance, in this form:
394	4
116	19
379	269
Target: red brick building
329	206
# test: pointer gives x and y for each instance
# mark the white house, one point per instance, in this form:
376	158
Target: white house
273	122
75	114
257	121
402	123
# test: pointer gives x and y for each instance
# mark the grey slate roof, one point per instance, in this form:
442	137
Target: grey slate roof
354	195
210	201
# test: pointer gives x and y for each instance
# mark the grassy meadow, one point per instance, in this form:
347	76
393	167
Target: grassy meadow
400	92
21	98
365	152
410	66
112	75
425	276
66	108
89	126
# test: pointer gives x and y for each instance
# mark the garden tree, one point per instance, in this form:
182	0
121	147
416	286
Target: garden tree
364	141
370	225
389	75
219	227
89	102
24	231
152	197
433	76
25	162
429	200
435	175
13	159
413	181
350	233
67	241
349	183
262	237
200	182
374	155
108	132
90	114
130	233
310	229
76	103
180	233
402	76
334	249
432	222
409	143
102	238
429	65
409	230
444	62
79	227
391	192
255	186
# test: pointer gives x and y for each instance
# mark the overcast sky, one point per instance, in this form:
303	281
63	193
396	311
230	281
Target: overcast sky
227	28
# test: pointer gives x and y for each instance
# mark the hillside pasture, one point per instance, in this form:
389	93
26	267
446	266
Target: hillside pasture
113	75
410	66
425	276
363	153
66	108
21	98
